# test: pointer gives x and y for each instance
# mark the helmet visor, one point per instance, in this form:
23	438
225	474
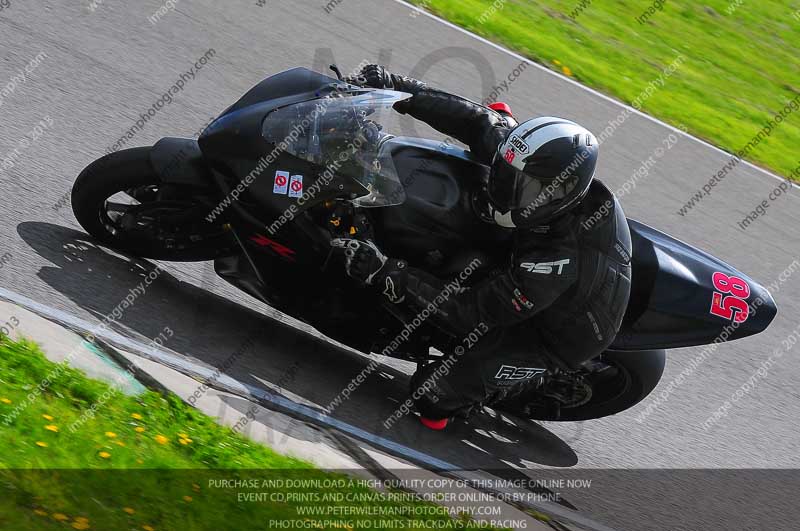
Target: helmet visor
513	189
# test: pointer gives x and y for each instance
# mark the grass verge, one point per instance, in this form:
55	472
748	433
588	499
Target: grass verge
153	463
741	66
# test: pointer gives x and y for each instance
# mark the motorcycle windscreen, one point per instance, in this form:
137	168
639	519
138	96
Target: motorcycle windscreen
345	135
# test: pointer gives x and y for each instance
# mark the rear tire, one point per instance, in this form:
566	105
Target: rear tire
128	170
638	373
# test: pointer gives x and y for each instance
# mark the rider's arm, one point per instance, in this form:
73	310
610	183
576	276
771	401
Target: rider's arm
532	284
479	127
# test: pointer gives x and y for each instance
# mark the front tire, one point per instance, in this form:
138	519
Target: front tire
157	223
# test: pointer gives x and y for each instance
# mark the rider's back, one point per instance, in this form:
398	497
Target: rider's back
584	320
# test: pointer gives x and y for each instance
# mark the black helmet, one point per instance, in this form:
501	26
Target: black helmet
543	169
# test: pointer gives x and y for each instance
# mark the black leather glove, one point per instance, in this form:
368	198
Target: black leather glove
363	259
366	263
376	76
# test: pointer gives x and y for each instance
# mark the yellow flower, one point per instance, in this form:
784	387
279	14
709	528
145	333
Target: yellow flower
129	510
147	528
47	417
40	512
556	61
196	487
5	400
187	498
51	427
80	525
136	416
42	444
160	439
138	429
566	70
60	517
183	436
110	434
184	441
119	443
81	519
104	455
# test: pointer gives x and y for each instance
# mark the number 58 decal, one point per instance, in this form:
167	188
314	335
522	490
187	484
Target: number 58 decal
729	302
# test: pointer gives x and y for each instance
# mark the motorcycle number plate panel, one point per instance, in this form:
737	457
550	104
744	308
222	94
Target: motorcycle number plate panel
296	186
281	185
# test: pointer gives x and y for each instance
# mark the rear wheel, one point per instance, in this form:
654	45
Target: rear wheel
617	382
120	200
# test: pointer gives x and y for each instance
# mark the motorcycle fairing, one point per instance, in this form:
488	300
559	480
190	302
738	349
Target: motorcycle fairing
673	290
673	294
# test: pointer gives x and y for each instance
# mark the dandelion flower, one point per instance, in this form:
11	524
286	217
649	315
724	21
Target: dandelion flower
196	487
148	528
129	510
138	429
187	498
51	427
60	517
110	434
566	70
183	436
184	441
5	400
80	525
160	439
40	512
47	417
136	416
104	455
81	519
119	443
41	443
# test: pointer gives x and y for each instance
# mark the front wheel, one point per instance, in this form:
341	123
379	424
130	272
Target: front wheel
121	201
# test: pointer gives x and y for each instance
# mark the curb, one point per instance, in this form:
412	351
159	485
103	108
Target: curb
274	419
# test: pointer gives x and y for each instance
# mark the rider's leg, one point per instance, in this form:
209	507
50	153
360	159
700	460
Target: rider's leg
500	363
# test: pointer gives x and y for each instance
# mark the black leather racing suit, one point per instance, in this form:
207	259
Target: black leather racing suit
560	300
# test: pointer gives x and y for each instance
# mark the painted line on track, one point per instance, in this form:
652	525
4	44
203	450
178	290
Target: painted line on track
189	368
193	369
605	97
186	366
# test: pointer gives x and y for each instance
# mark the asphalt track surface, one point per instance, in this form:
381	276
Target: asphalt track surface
106	66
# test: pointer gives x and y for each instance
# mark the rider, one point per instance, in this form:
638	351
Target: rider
560	299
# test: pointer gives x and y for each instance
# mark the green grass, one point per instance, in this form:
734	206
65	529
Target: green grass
740	68
142	462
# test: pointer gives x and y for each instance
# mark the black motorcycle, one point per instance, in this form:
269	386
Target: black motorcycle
303	158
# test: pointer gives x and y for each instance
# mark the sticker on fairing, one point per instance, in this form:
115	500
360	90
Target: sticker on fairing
730	300
296	186
281	184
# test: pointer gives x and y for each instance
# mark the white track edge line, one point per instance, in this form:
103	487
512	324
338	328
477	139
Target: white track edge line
177	363
589	89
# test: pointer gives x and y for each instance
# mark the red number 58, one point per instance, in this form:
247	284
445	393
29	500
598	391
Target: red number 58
732	306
